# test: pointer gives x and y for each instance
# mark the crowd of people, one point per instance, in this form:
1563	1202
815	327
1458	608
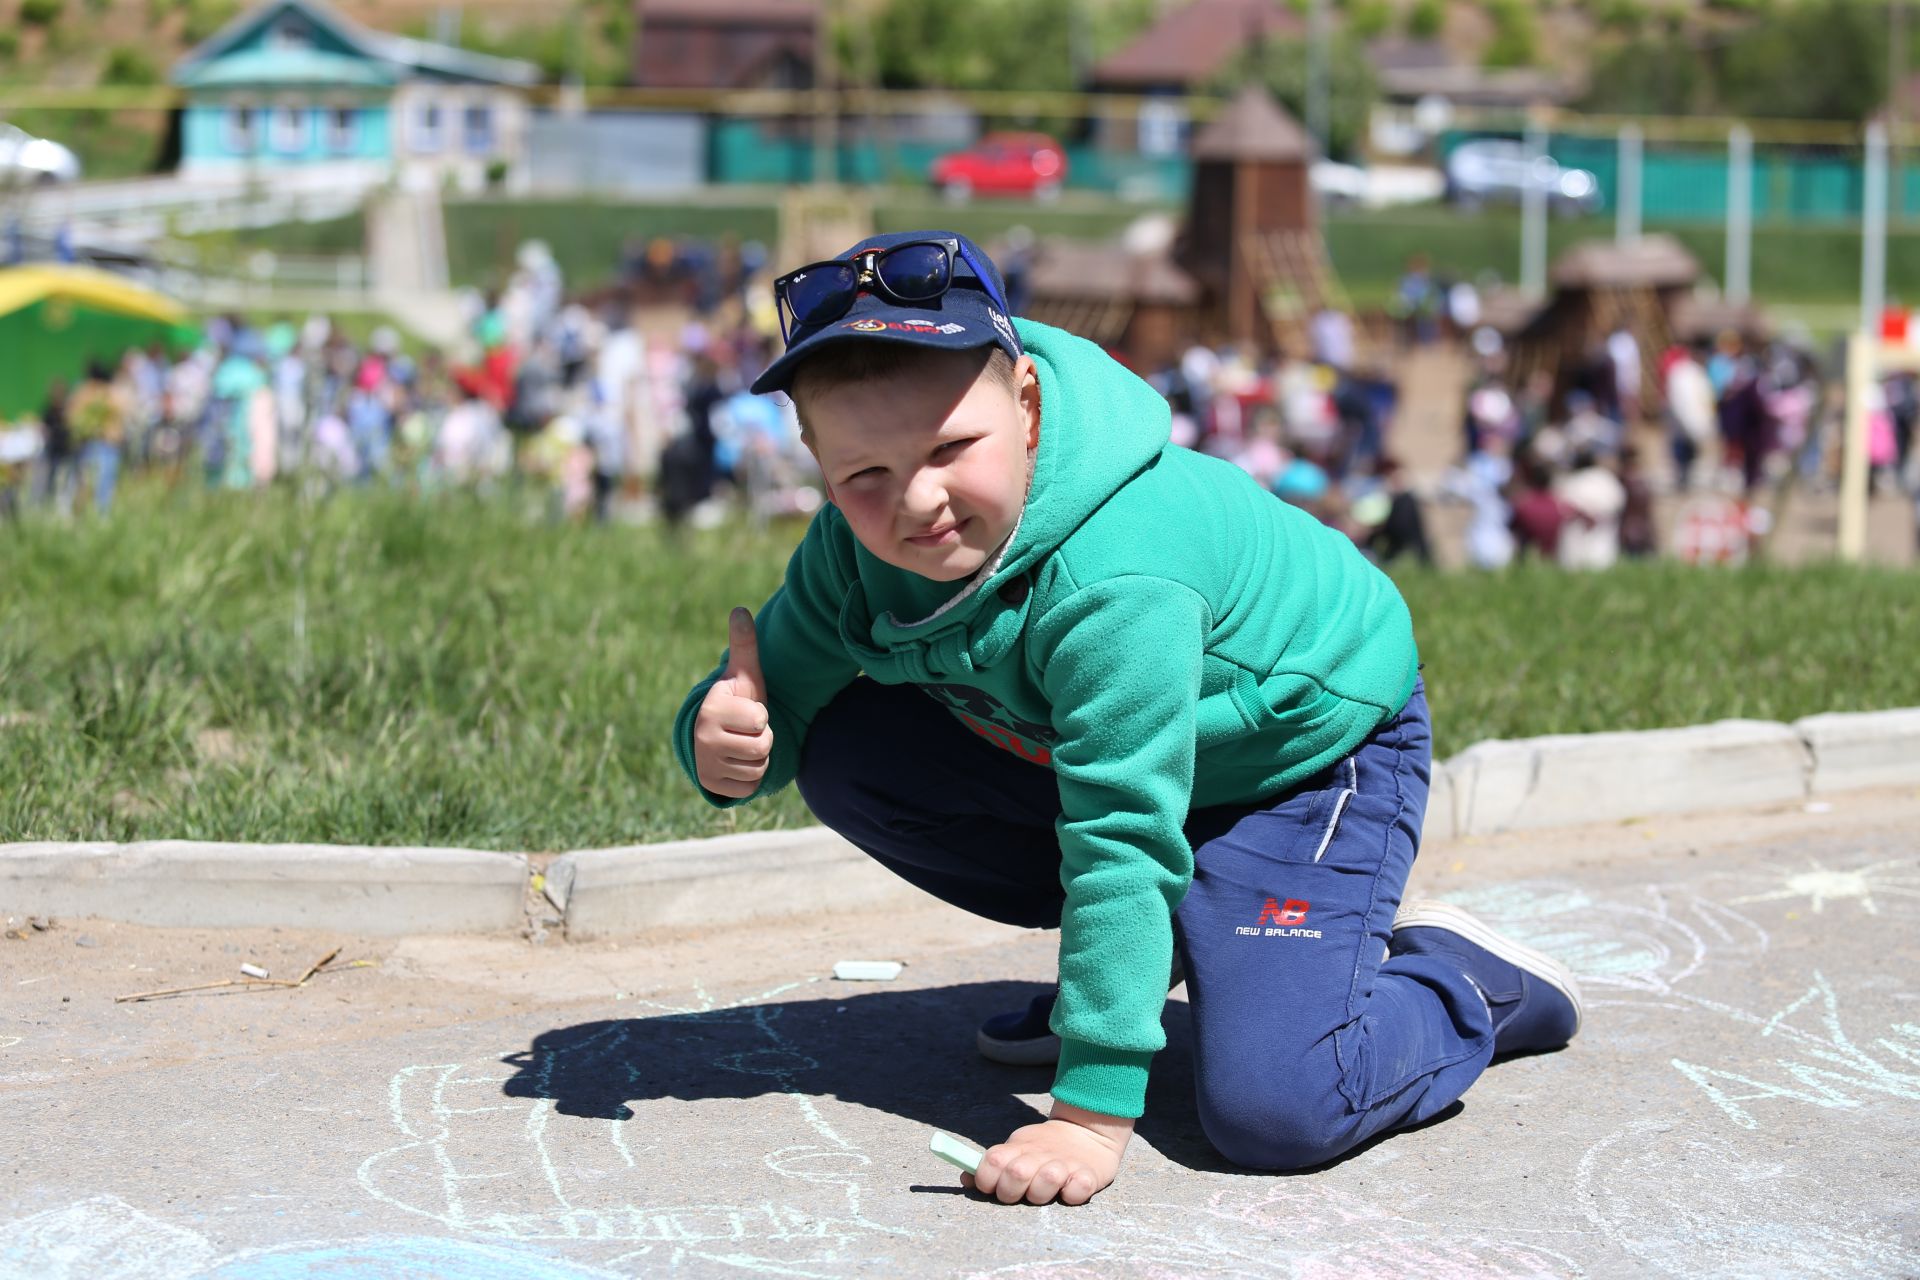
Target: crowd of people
554	399
566	403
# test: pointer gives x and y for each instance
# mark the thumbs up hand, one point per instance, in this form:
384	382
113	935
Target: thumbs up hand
732	740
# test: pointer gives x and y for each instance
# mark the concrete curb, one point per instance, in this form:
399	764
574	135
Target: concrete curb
611	892
1571	779
1851	750
1500	785
188	884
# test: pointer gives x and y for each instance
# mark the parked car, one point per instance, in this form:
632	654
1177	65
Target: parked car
26	160
1499	169
1003	164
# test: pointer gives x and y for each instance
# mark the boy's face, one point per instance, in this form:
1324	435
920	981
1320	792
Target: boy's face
930	467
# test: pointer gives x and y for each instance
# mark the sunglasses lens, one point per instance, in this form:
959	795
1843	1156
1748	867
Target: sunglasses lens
916	272
821	293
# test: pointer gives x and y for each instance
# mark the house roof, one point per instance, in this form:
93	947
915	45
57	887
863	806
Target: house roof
1253	127
401	52
1477	86
1071	269
1656	261
1403	53
1190	44
287	67
732	12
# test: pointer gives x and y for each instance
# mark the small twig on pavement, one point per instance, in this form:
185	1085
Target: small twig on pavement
301	981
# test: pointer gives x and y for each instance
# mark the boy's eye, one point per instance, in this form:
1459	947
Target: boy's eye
948	448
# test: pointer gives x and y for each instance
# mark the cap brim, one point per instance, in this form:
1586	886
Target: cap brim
777	375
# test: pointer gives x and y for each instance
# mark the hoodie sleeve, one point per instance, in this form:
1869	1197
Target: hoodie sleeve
1120	663
801	655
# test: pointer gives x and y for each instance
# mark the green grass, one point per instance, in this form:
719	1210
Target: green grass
587	236
387	670
1802	263
325	237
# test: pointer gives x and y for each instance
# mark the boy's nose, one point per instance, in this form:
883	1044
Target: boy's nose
926	495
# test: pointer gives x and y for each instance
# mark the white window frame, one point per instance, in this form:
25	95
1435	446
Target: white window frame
488	140
340	139
289	128
424	137
240	128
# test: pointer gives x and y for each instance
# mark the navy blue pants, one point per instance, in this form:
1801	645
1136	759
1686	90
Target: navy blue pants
1308	1039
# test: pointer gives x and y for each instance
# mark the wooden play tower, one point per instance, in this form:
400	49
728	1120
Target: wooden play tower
1252	238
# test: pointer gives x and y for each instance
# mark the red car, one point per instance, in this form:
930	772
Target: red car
1003	164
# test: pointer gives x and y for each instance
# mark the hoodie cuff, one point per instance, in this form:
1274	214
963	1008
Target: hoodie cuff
1110	1081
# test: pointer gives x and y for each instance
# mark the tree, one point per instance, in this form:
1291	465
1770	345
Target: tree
1516	35
1651	76
1282	66
1815	60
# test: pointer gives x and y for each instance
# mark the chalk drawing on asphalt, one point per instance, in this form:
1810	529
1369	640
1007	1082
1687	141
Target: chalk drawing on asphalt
1821	1065
104	1236
1818	885
1692	1204
542	1175
1639	948
1299	1228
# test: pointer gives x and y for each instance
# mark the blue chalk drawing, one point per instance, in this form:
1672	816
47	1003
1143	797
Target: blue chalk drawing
400	1258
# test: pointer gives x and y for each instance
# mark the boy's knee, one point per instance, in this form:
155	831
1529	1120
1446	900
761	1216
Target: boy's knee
1279	1135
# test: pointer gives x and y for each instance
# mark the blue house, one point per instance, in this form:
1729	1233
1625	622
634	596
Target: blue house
293	84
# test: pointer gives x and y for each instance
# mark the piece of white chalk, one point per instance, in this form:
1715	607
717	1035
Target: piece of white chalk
253	971
955	1152
867	970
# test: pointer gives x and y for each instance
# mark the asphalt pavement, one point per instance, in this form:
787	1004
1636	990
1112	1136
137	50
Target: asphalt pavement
1745	1099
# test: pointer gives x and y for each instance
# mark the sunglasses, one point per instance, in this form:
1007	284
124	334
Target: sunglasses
907	275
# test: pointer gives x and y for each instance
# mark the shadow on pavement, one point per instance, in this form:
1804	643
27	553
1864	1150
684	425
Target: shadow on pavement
905	1053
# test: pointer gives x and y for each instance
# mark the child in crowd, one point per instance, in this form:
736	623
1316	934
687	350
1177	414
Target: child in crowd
1058	672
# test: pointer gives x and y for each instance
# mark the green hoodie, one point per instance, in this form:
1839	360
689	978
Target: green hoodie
1160	631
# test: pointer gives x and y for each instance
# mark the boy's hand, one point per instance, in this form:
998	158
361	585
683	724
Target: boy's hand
731	738
1070	1156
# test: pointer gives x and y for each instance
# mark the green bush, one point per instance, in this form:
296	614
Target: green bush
40	13
1515	35
1426	19
204	17
1369	18
127	65
9	46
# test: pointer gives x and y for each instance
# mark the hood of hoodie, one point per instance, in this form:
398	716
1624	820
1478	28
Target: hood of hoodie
1099	427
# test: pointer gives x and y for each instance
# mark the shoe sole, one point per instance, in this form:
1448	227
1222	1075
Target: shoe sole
1044	1051
1444	915
1040	1051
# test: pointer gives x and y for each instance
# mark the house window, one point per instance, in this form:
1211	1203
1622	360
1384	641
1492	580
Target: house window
476	130
239	131
426	127
343	129
290	130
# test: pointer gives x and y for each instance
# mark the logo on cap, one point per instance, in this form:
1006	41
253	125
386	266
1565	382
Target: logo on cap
869	326
1001	324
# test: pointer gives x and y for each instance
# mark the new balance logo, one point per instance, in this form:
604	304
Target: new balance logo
1293	913
1279	919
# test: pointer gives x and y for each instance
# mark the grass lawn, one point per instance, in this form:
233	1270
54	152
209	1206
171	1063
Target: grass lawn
1802	263
383	670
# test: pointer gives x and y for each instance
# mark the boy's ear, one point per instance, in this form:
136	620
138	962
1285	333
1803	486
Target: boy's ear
1026	382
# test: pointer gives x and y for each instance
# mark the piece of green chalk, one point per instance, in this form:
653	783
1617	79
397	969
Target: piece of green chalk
955	1152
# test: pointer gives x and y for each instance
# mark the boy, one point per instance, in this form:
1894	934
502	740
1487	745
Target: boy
1053	670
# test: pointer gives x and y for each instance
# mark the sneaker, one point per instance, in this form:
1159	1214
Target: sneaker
1023	1039
1533	998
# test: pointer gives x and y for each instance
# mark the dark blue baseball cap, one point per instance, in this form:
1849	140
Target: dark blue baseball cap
972	312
